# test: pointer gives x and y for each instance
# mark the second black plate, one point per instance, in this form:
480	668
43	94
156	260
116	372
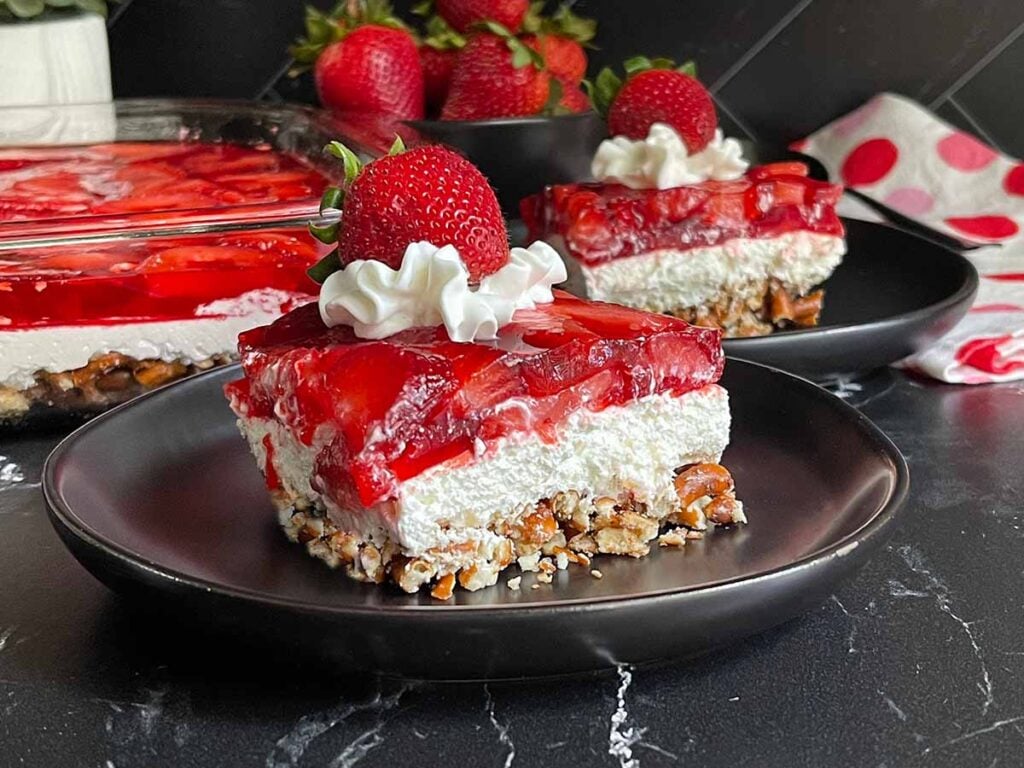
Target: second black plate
894	295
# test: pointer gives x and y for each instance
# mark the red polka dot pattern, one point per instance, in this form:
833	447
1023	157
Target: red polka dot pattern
965	153
987	227
869	162
1014	181
983	353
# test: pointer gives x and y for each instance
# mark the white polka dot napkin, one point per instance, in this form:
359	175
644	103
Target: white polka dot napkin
900	154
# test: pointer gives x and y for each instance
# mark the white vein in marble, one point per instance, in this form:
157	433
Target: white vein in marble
939	591
502	729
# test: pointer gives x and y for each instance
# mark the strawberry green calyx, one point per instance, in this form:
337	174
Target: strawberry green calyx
325	28
562	23
522	54
554	107
439	35
333	201
606	86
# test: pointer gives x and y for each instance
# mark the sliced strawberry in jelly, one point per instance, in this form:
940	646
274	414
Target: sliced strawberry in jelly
600	222
769	170
142	177
393	408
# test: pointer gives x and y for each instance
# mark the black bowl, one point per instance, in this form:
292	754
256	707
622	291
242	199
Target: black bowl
520	155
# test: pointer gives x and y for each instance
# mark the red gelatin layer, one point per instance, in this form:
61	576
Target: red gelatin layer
128	178
147	279
601	222
383	411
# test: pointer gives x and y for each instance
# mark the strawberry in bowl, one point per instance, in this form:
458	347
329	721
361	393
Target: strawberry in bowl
440	414
677	221
513	98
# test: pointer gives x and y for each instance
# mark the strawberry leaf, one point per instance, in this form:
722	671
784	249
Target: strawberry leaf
441	36
398	147
353	165
522	54
565	23
554	106
324	268
326	234
603	90
424	8
534	20
688	68
332	198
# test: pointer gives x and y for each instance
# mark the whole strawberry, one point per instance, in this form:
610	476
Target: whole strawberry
496	75
364	60
574	99
428	193
656	92
565	58
463	14
438	53
560	40
438	66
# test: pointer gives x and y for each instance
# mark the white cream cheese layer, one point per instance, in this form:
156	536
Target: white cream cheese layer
636	446
214	331
666	280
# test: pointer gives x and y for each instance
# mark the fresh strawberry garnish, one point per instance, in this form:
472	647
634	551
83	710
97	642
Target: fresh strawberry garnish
363	61
497	75
656	91
438	53
463	14
427	193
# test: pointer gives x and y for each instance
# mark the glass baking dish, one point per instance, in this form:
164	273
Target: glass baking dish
160	165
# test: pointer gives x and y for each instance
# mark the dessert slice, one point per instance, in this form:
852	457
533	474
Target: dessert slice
421	460
84	327
441	414
677	224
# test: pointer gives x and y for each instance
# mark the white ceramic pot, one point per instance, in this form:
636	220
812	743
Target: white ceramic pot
55	61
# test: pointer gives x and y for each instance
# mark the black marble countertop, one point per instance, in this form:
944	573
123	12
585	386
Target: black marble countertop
918	661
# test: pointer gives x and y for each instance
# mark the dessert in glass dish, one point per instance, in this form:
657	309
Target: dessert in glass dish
49	189
441	414
676	222
84	326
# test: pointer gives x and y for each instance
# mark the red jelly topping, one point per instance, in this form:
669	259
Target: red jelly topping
600	222
129	178
398	406
147	279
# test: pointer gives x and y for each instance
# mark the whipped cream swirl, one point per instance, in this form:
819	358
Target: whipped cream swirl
432	287
662	161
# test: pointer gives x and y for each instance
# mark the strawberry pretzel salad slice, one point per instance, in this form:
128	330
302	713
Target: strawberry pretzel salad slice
441	414
678	223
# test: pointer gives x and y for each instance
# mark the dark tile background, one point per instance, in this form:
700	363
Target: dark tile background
778	68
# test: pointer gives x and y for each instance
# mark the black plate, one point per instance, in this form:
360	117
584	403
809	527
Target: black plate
894	294
161	500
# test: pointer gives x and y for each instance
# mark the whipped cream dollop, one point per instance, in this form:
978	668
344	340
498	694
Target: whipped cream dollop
662	161
432	287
